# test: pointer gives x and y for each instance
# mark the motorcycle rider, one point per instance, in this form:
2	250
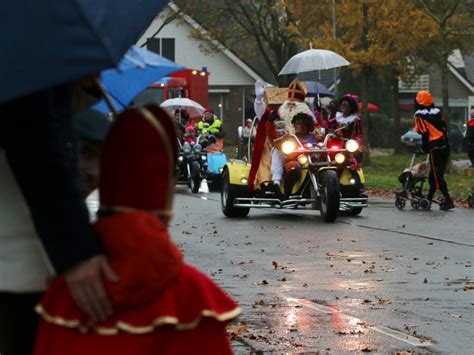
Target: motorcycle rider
210	126
347	118
304	126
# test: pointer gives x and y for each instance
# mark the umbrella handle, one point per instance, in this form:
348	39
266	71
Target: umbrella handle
106	97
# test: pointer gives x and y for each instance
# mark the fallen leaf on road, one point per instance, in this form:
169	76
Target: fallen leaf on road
275	264
454	315
367	301
305	285
282	279
264	282
384	301
235	332
468	288
411	329
425	281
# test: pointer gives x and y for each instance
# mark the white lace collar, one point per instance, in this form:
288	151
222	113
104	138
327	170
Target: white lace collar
345	120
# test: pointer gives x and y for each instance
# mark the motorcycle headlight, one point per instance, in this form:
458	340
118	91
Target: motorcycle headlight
180	158
203	157
340	158
352	145
302	159
187	147
288	147
198	148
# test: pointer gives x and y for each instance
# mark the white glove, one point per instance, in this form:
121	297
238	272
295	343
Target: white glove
259	90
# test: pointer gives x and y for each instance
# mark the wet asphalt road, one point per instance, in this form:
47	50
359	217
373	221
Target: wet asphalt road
387	281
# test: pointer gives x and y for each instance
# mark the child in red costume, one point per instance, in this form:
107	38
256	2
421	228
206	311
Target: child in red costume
161	304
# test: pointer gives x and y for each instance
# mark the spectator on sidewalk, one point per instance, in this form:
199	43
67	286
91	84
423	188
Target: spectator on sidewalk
469	138
162	305
44	222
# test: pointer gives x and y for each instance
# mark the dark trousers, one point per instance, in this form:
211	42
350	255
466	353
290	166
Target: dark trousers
438	161
18	322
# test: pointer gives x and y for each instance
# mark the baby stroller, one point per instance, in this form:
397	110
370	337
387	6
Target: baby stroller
412	180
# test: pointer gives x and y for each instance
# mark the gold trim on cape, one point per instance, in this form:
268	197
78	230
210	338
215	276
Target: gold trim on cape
132	329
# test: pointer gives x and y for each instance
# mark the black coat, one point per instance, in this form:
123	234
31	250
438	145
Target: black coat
38	138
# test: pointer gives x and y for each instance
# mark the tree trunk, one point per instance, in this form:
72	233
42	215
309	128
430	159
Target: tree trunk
365	76
396	113
365	73
445	92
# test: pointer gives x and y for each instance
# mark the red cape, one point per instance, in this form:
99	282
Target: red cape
259	143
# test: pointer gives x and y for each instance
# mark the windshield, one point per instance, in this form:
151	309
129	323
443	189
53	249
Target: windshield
152	95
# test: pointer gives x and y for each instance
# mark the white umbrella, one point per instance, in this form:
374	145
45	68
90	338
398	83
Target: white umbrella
192	107
313	59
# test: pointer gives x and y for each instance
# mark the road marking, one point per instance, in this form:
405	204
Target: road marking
353	320
203	198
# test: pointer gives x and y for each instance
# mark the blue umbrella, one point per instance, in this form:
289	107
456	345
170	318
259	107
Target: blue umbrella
315	88
49	42
136	71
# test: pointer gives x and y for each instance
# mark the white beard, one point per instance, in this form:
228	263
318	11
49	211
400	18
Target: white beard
286	115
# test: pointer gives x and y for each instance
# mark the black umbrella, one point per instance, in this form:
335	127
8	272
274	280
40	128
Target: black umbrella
49	42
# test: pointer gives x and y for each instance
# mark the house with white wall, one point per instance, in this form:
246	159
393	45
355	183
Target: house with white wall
460	86
231	81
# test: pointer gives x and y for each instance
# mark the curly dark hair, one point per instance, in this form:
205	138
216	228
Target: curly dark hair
351	101
304	118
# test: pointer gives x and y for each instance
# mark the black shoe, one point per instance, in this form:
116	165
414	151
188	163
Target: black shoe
446	205
278	194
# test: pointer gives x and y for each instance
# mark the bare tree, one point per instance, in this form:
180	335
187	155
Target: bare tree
454	30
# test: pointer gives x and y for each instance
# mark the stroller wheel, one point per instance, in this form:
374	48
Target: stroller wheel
415	204
400	203
425	204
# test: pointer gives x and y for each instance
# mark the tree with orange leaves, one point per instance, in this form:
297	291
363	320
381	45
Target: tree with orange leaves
372	34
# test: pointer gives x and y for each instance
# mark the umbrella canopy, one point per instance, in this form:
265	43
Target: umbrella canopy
314	88
192	107
49	42
313	59
136	71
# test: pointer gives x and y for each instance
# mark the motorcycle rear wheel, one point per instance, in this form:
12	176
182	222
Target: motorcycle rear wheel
228	194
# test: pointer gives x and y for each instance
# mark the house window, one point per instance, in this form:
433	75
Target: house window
162	46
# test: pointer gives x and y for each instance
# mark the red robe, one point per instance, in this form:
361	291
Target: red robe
161	304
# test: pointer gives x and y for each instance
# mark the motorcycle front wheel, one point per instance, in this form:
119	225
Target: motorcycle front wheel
194	181
330	195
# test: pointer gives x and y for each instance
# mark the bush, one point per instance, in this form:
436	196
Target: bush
381	128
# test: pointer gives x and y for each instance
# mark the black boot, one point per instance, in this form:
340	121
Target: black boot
447	204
